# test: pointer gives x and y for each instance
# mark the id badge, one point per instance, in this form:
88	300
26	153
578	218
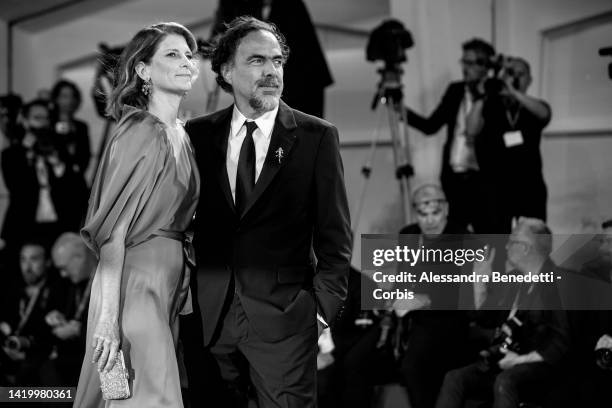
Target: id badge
514	138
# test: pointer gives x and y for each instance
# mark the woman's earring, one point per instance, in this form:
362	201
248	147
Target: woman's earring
146	87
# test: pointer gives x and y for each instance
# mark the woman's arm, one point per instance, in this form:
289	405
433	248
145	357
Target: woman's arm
106	338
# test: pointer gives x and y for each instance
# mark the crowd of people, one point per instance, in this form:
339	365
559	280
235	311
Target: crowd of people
491	183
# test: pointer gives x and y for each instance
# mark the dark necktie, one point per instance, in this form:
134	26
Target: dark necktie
245	176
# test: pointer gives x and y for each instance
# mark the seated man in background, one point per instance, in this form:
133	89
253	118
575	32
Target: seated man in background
436	340
361	357
534	322
591	372
77	265
26	337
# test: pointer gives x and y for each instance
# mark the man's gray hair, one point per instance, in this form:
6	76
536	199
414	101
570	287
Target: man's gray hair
542	235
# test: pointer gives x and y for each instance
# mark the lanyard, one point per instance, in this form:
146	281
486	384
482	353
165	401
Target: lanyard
512	121
26	312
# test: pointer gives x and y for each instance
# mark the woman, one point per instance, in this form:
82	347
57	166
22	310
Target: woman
72	143
74	133
142	201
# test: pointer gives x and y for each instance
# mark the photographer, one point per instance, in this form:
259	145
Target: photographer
505	127
26	337
76	265
460	176
41	185
73	133
436	340
591	372
535	328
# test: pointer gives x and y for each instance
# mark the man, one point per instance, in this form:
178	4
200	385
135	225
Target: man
77	264
436	339
592	329
460	175
506	129
40	184
22	320
274	198
542	336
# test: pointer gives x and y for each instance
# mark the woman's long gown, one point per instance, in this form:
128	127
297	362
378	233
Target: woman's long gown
147	177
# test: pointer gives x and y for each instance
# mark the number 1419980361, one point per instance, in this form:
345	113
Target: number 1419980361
47	394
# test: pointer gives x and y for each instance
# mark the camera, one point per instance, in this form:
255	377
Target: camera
17	343
499	65
388	43
507	337
603	358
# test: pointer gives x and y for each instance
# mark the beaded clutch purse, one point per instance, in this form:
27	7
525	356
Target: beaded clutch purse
114	384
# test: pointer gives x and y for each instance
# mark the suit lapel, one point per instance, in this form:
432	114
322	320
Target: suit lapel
281	143
221	135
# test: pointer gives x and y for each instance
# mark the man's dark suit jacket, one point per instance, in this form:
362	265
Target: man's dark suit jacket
298	209
444	114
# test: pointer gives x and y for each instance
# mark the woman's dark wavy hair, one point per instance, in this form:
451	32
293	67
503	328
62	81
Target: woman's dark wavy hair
141	48
224	48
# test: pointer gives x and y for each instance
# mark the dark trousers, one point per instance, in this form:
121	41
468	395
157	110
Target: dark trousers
507	388
283	373
431	351
468	201
349	382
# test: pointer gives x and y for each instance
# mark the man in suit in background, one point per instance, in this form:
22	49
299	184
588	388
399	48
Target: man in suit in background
273	200
460	175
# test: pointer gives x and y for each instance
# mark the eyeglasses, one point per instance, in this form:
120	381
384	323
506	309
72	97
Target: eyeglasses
522	244
470	63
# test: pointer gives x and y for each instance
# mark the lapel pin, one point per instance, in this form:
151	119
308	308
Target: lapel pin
280	153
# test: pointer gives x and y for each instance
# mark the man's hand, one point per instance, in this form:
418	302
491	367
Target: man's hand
403	306
68	330
604	341
28	140
485	267
55	318
510	359
14	355
324	360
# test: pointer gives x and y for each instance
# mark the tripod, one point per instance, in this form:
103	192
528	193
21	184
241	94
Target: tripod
389	94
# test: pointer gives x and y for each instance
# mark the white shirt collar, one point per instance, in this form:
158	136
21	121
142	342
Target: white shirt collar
265	122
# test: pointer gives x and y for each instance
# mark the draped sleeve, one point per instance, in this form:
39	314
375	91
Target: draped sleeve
127	180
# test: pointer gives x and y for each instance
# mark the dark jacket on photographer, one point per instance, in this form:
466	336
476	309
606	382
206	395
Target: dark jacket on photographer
545	326
23	181
511	165
25	312
445	114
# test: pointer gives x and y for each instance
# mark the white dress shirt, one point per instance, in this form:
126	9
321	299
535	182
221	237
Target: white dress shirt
261	137
462	154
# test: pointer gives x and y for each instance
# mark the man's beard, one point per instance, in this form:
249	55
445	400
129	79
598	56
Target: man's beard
266	103
263	103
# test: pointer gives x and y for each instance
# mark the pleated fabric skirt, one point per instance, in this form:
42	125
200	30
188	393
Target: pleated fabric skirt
150	300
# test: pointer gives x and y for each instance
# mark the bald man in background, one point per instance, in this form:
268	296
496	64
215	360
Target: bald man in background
76	264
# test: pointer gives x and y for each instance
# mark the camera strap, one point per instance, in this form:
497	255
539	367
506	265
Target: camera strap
512	121
26	311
